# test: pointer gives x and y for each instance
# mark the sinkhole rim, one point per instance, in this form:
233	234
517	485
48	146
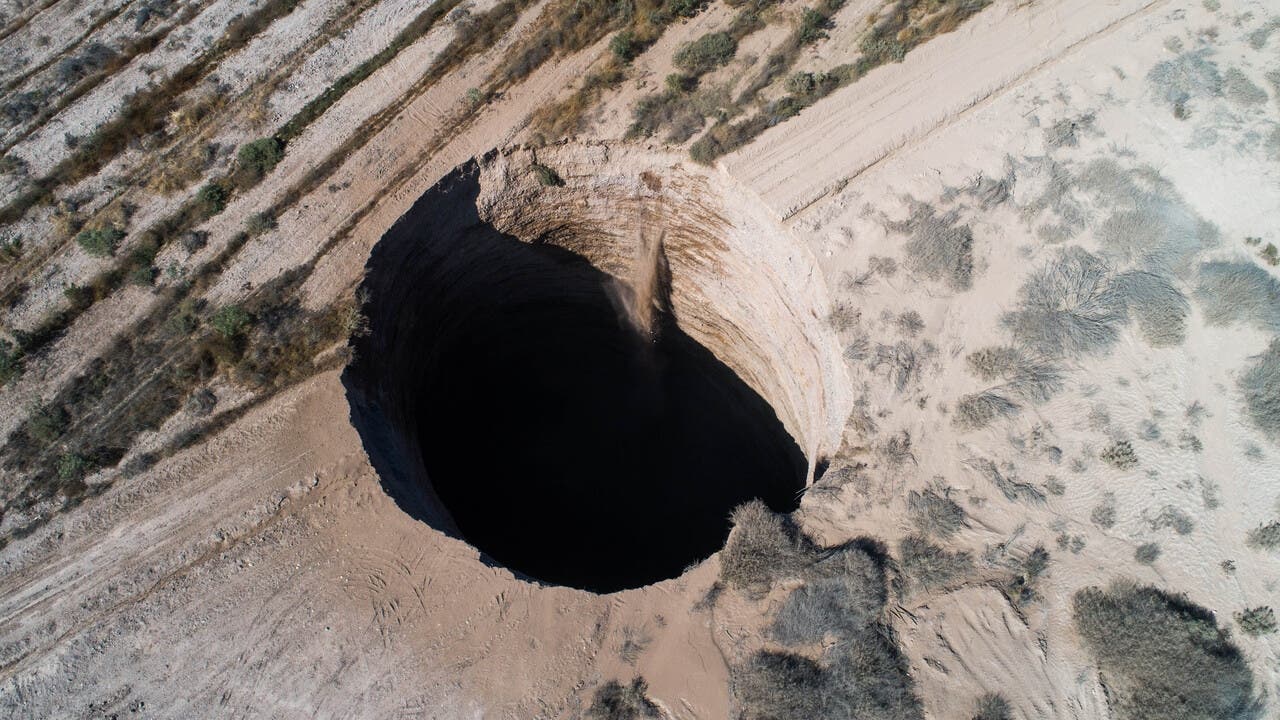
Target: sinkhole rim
502	190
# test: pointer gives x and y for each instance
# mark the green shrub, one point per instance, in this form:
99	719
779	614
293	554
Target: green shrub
143	275
1104	513
10	362
705	54
878	50
100	242
261	156
231	321
813	26
1257	621
685	8
978	410
1161	656
677	83
72	467
212	199
624	46
801	83
47	423
10	248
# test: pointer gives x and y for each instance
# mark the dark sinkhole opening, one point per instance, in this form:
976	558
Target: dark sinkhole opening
504	399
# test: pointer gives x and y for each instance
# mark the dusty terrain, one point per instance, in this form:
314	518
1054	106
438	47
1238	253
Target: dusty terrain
1005	272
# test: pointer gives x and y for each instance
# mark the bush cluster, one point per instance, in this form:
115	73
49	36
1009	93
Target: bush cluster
705	54
100	242
1161	656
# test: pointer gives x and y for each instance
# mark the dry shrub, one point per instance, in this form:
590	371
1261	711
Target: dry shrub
1022	586
930	566
188	116
1146	553
843	595
1265	537
1007	484
935	514
1161	656
780	686
1120	455
615	701
701	56
938	246
864	678
1069	307
1160	308
1171	517
995	362
1239	292
1261	387
992	706
174	173
978	410
762	548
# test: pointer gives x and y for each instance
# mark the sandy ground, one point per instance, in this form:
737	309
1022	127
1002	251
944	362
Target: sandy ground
265	573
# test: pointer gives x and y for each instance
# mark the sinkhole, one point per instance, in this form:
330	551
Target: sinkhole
582	380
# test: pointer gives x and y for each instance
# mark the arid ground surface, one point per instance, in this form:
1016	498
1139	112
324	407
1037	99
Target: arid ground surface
993	285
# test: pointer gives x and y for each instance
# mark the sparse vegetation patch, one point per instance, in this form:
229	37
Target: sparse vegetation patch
841	604
1257	621
1265	537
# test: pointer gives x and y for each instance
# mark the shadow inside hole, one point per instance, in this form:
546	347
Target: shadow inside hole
504	400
